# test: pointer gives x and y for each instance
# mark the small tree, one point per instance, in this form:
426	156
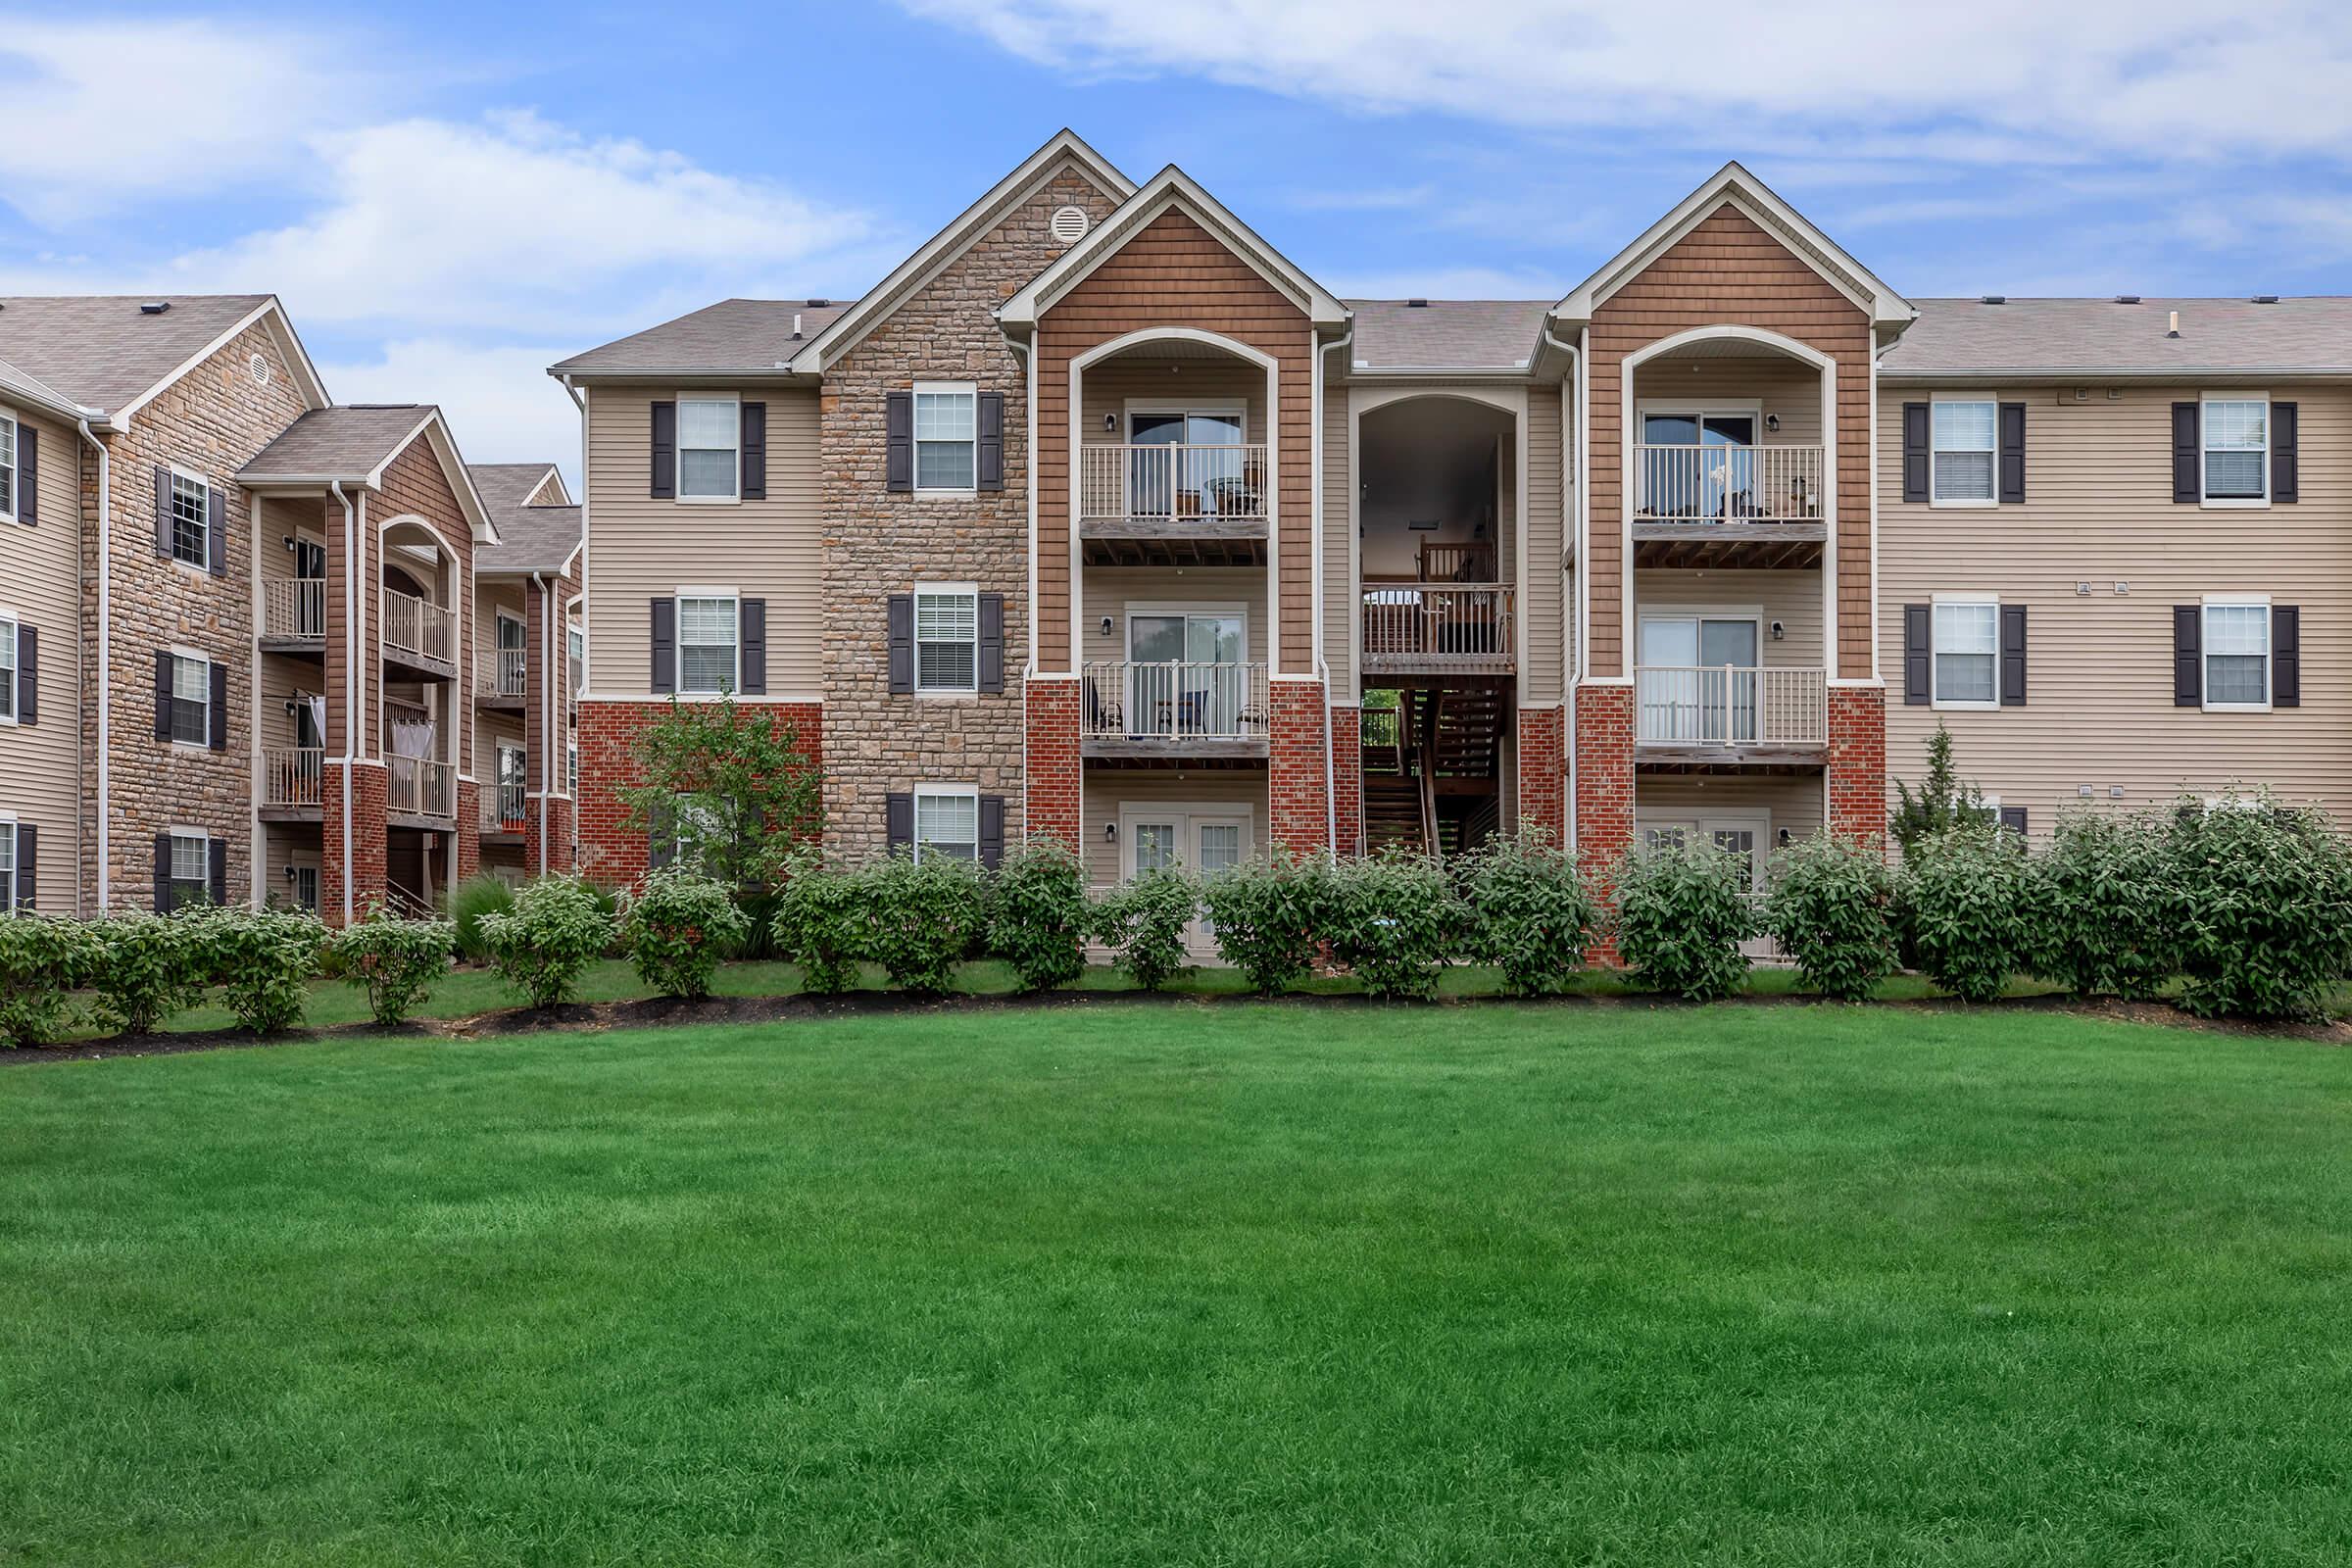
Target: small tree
1268	915
1942	803
676	928
145	968
1395	921
1036	913
394	961
1145	921
1682	909
820	922
2264	909
1531	912
555	929
2105	906
1967	908
1831	910
731	789
922	916
263	960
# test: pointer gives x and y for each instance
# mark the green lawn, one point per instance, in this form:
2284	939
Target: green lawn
1187	1285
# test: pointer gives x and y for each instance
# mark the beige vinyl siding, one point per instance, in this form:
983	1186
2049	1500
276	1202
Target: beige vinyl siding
1115	591
1338	532
40	767
281	518
1786	388
645	549
1200	383
284	676
1792	598
2099	666
286	845
1109	788
1792	800
1542	597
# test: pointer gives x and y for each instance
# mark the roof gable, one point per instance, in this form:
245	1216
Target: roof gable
112	355
356	445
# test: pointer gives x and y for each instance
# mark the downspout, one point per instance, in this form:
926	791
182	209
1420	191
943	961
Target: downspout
1026	353
547	727
1572	506
1314	512
105	678
350	661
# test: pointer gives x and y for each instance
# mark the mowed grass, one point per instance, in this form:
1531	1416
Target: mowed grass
1189	1285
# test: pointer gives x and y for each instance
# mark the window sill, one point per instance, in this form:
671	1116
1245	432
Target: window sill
2235	708
192	746
1942	706
947	694
708	501
1963	505
947	495
190	567
2228	504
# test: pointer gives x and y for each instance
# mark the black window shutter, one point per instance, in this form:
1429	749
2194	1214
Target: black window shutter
220	708
751	630
28	844
753	423
2013	818
28	475
992	441
2283	453
163	694
897	441
1917	692
217	883
2188	667
2188	461
897	814
2287	656
162	509
216	531
991	831
28	676
901	643
2012	452
162	873
666	646
2013	656
1915	451
664	450
992	642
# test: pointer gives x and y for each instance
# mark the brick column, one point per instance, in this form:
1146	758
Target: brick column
558	814
1857	772
1294	781
1605	787
1347	777
1543	772
1055	774
470	827
364	874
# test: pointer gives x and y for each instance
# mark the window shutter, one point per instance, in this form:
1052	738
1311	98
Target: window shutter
898	812
2013	656
2013	818
2188	668
28	840
28	474
216	531
992	642
162	509
991	831
897	441
664	450
1915	451
220	714
2283	453
991	429
751	422
2012	452
217	883
2188	461
751	632
28	676
163	694
2287	656
665	678
901	644
1917	692
162	873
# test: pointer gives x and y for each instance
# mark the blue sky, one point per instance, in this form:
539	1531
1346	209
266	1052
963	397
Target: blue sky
451	196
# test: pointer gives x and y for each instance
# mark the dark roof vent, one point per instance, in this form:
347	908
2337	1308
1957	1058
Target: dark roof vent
1416	305
2266	299
1995	298
155	307
2126	299
820	302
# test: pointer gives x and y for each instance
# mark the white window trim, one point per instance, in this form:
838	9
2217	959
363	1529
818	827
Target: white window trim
734	497
678	597
914	829
202	568
2204	424
1188	816
1989	502
2269	653
200	657
16	651
8	877
176	832
1147	608
1937	700
945	589
1215	408
15	464
914	443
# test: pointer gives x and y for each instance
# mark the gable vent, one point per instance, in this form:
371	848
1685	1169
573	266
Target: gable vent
1069	224
258	368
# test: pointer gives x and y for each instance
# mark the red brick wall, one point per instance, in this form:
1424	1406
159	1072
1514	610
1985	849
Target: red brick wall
611	852
470	827
1543	772
366	872
1857	783
557	810
1055	775
1604	787
1296	799
1348	778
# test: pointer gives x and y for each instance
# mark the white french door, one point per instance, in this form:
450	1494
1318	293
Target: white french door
1747	834
1201	839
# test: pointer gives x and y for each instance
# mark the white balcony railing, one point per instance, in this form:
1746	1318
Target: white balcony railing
1170	483
1731	706
1174	702
291	774
502	808
1439	627
503	671
418	785
294	608
418	628
1728	484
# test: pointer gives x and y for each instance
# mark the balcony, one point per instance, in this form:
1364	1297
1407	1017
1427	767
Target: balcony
1173	711
1729	506
500	681
291	779
502	813
1691	717
420	792
1427	628
420	634
1165	503
294	615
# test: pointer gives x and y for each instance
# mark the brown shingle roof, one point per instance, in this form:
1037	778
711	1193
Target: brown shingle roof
2090	336
350	442
101	351
530	539
505	486
738	335
1492	335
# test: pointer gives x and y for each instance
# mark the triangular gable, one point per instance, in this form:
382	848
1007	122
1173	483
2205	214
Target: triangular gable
1171	189
1734	186
460	482
942	250
270	312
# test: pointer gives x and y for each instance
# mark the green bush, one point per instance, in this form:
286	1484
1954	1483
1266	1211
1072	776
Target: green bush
145	967
1394	921
1530	911
676	929
263	960
41	962
1965	900
1144	923
1038	916
555	930
2104	907
921	917
1682	909
394	961
468	901
1269	914
1831	909
2265	902
820	922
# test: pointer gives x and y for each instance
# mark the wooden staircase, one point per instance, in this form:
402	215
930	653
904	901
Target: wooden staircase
1433	777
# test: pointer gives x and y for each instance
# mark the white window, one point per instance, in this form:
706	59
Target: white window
191	520
946	453
2237	461
8	670
8	865
571	768
1964	443
191	700
8	469
947	640
2238	655
306	887
1965	646
191	867
947	822
707	645
575	647
708	432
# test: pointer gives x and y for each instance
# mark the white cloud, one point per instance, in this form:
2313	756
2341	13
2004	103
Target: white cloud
500	404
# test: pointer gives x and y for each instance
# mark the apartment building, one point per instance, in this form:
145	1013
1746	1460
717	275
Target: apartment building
255	641
1099	518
